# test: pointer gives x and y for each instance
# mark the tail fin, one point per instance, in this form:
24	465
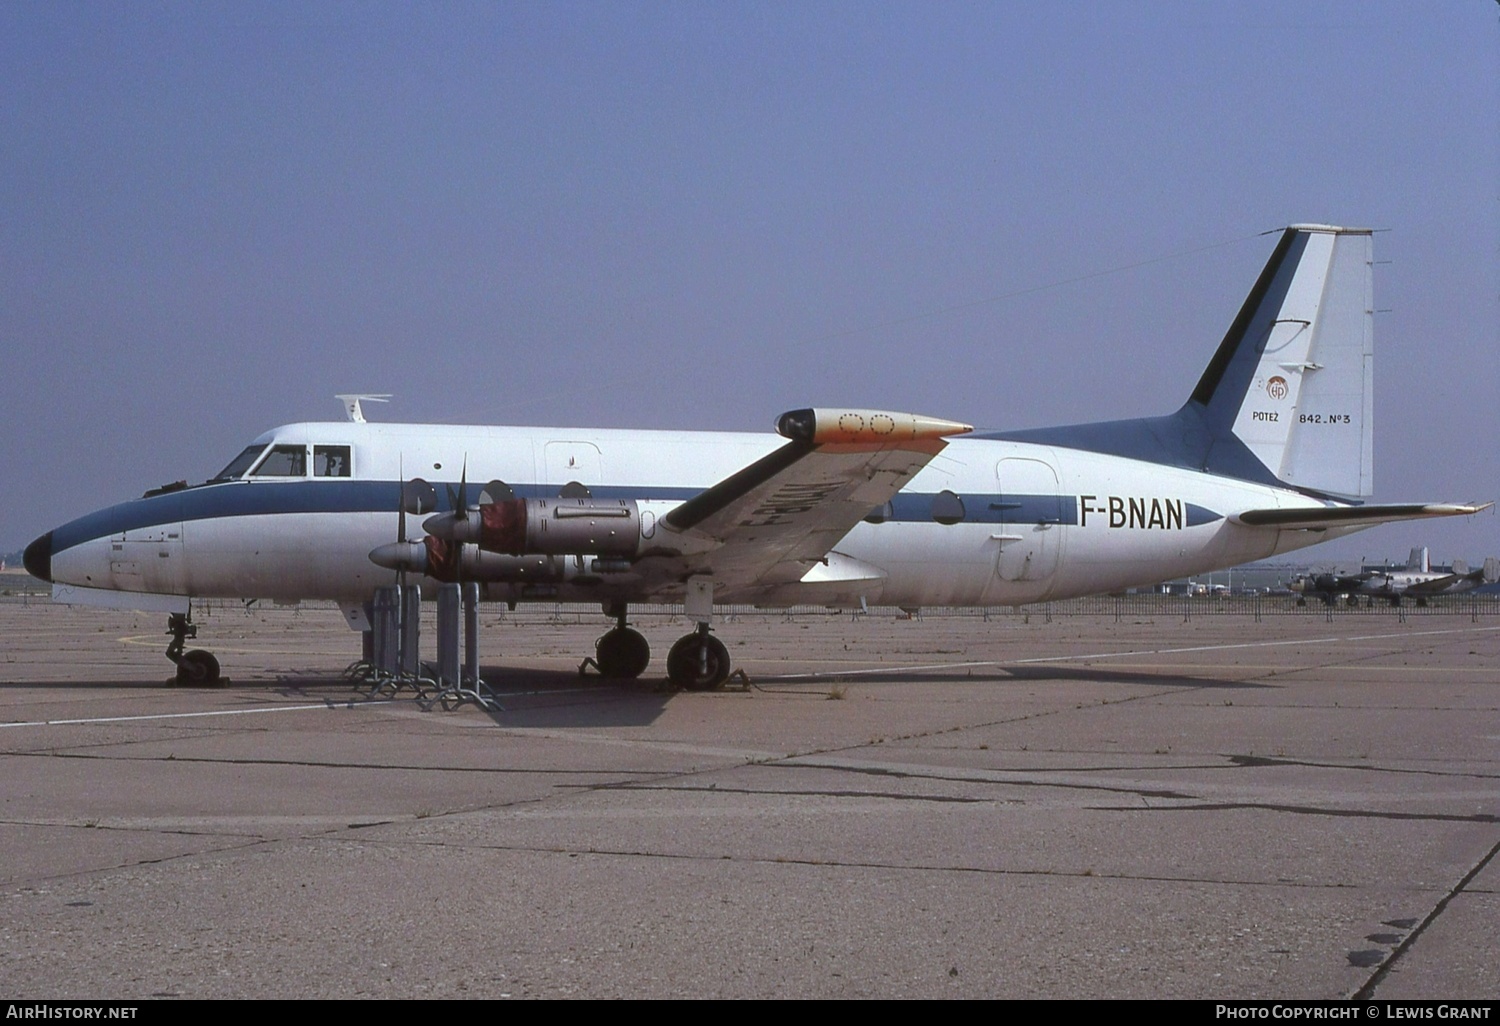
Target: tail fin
1288	396
1419	560
1292	380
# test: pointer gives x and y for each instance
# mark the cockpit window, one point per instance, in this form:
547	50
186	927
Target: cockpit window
240	463
331	460
284	461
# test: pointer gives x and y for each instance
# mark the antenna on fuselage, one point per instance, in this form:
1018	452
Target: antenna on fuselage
351	404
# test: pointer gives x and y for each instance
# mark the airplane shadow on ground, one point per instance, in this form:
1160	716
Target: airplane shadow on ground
1005	675
527	697
562	699
75	685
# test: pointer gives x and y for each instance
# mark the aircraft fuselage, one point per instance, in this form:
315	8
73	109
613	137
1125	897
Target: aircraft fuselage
986	523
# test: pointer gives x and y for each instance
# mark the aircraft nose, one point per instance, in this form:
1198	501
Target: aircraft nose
38	558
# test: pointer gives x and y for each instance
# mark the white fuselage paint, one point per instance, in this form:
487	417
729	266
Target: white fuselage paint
1118	522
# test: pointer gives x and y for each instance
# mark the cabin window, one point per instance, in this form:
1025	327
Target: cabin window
947	508
240	463
496	491
331	460
574	490
284	461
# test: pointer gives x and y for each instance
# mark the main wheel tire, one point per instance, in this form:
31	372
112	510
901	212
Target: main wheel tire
698	662
622	653
198	669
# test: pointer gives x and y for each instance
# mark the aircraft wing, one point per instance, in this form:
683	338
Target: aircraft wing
1436	586
772	521
1322	518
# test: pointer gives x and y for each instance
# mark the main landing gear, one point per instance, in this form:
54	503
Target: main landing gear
621	653
196	668
697	662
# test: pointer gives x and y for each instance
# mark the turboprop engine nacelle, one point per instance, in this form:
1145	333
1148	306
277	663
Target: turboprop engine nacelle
443	560
525	527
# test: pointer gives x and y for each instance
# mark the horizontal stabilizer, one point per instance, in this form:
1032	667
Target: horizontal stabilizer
1321	519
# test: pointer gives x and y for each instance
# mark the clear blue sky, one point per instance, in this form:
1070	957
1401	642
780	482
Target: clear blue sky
214	216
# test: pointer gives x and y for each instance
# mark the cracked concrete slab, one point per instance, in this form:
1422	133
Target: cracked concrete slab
948	806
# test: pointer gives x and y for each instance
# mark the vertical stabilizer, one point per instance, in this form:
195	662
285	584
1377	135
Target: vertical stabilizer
1288	397
1292	380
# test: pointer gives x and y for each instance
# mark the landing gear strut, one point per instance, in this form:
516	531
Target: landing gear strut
698	662
622	652
196	668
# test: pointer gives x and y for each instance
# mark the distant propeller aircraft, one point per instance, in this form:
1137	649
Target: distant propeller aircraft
1394	585
1270	453
1416	580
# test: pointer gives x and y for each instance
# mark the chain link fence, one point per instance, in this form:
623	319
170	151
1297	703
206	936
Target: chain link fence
26	591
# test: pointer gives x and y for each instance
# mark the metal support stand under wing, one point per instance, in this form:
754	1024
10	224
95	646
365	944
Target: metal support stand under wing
396	640
459	682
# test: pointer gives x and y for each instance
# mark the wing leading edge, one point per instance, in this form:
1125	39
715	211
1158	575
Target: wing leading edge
774	520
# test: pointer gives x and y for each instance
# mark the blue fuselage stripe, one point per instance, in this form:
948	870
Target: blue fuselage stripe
253	498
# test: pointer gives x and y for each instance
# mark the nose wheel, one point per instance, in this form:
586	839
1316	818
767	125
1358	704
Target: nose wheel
698	662
197	668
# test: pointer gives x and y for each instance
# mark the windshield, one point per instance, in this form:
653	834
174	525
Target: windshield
284	461
239	464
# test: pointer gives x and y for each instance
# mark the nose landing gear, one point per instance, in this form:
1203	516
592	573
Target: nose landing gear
196	668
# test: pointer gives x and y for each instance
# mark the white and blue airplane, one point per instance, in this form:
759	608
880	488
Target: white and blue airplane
1271	452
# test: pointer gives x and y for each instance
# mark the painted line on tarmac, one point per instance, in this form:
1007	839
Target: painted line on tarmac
1118	655
154	641
268	709
190	715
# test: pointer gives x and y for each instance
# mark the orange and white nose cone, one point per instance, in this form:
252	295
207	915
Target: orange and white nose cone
822	426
